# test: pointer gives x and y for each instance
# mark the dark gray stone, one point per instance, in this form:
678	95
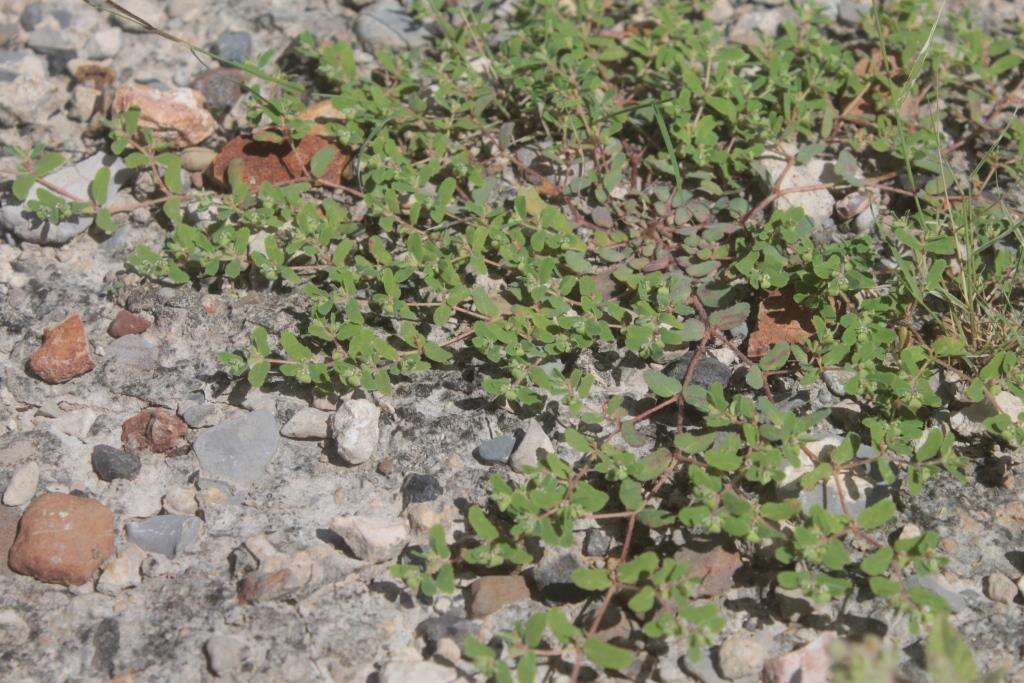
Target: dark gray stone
167	535
708	371
448	625
106	641
238	450
498	450
421	488
111	463
234	46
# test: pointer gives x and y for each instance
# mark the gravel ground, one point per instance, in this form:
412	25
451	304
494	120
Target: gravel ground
249	579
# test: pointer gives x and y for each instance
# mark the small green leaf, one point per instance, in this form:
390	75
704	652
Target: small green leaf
105	221
883	587
591	579
99	185
21	186
258	374
320	162
48	163
811	479
877	514
662	385
481	525
877	562
606	655
293	348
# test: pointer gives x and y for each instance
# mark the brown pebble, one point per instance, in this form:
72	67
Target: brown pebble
63	539
259	586
153	429
64	353
488	594
126	322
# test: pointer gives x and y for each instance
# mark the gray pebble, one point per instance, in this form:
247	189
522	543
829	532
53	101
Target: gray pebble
553	576
55	46
498	450
421	488
238	450
234	46
167	535
111	463
33	13
596	543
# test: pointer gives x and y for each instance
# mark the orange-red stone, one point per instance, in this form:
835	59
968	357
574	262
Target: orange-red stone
63	539
276	163
64	353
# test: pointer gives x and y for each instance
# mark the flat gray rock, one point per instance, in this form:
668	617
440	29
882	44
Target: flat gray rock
498	450
74	179
386	25
167	535
238	450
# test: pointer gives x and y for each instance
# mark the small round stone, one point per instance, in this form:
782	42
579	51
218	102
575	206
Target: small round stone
111	463
740	656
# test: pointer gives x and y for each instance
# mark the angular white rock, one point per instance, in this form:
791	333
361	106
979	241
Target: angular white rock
375	539
533	446
308	423
76	423
22	486
355	427
123	572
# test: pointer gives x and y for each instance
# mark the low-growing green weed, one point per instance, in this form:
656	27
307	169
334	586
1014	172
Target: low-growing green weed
589	187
